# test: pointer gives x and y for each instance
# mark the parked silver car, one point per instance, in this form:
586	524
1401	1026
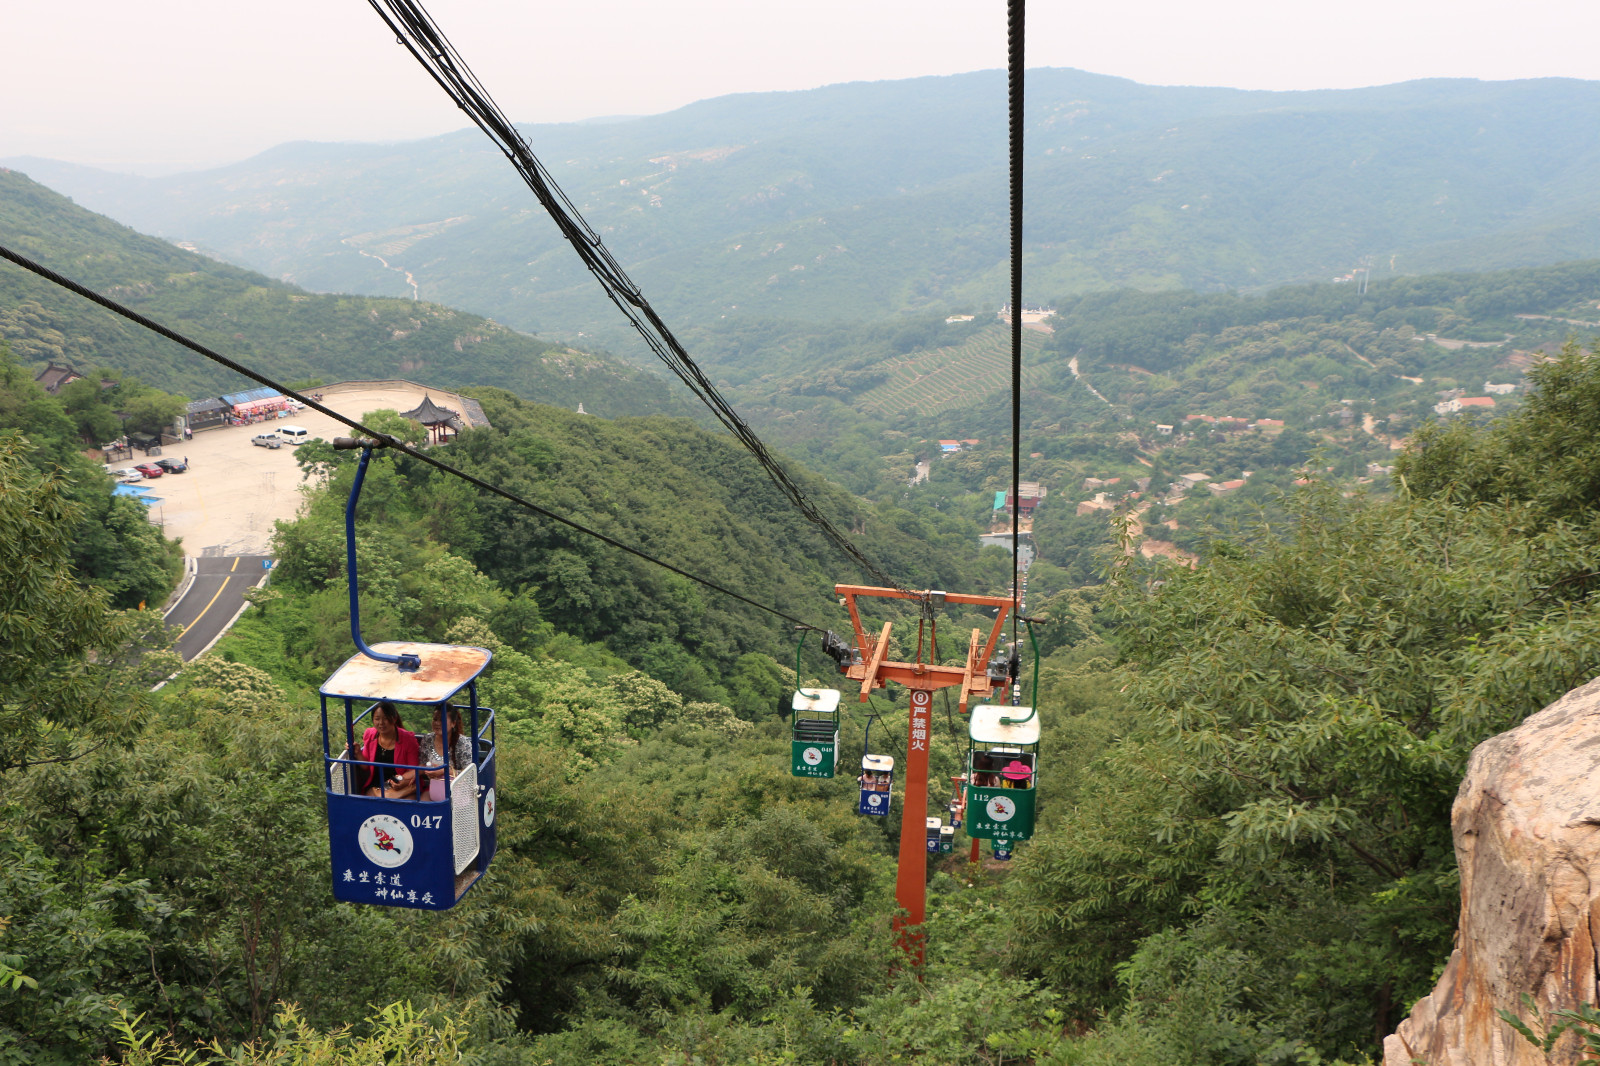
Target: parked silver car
267	440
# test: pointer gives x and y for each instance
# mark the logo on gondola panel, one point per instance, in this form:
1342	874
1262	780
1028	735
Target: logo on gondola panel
385	840
811	756
1001	809
874	799
488	807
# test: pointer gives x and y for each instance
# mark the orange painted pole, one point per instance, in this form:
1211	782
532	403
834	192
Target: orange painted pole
911	882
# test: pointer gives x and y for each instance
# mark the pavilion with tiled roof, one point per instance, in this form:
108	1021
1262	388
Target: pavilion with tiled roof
441	421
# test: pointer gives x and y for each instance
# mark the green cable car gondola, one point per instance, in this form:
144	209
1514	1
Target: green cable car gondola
1002	773
814	751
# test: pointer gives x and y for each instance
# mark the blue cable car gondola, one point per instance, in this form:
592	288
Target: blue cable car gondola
876	780
399	848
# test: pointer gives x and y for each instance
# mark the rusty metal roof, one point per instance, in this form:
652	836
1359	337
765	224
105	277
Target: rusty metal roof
446	668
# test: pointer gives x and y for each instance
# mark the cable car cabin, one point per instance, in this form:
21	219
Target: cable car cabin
1002	757
1002	854
958	801
935	831
815	749
877	775
947	839
407	848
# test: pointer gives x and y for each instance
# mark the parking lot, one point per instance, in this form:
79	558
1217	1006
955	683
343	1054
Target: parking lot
233	492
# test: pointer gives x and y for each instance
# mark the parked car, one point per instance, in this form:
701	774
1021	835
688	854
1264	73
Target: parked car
149	470
128	475
266	440
172	466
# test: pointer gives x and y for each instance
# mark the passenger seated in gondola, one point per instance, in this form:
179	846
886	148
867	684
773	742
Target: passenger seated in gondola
389	744
458	745
873	781
1017	774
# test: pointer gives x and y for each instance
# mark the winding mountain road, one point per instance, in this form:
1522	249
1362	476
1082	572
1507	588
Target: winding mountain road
213	600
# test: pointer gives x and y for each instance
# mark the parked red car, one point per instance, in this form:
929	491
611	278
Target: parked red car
149	470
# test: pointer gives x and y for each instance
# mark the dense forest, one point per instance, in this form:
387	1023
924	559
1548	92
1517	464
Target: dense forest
1244	852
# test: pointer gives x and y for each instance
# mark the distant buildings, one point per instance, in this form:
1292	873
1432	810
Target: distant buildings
1101	502
1030	493
56	376
1463	403
1498	390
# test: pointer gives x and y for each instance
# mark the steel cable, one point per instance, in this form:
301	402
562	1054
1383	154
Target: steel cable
1015	64
416	32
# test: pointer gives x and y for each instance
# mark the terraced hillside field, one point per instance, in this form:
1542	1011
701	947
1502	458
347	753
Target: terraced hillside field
944	378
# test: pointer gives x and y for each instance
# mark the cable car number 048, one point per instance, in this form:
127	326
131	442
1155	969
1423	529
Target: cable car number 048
427	821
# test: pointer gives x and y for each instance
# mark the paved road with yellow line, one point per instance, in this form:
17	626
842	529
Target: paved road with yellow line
213	600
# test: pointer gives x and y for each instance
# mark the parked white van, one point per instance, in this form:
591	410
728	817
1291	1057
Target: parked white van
293	435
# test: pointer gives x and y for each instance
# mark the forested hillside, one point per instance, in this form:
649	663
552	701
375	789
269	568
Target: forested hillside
1244	852
281	330
854	202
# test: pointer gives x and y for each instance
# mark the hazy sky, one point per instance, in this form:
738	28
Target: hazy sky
166	85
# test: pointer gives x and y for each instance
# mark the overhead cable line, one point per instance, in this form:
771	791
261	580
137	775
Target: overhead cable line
415	30
1014	27
397	445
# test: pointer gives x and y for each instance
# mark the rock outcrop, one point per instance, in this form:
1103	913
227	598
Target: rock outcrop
1527	837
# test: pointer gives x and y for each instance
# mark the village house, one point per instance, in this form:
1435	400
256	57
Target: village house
1029	492
56	376
1101	502
1464	403
1498	390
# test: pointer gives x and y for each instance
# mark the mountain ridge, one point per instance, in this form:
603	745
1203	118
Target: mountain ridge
281	330
859	200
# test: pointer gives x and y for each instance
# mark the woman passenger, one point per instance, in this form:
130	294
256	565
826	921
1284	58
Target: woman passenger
387	743
458	744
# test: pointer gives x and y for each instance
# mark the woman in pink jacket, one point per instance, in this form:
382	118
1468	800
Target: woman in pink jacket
389	744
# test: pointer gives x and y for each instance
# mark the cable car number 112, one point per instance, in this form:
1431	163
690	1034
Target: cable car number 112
426	821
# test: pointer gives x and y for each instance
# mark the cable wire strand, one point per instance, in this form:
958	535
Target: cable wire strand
1014	26
400	446
417	33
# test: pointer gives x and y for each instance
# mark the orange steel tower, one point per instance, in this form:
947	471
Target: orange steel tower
874	669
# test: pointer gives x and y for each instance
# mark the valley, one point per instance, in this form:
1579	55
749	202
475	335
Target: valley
1295	548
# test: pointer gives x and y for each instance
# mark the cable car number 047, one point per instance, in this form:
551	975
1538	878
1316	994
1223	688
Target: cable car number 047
427	821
